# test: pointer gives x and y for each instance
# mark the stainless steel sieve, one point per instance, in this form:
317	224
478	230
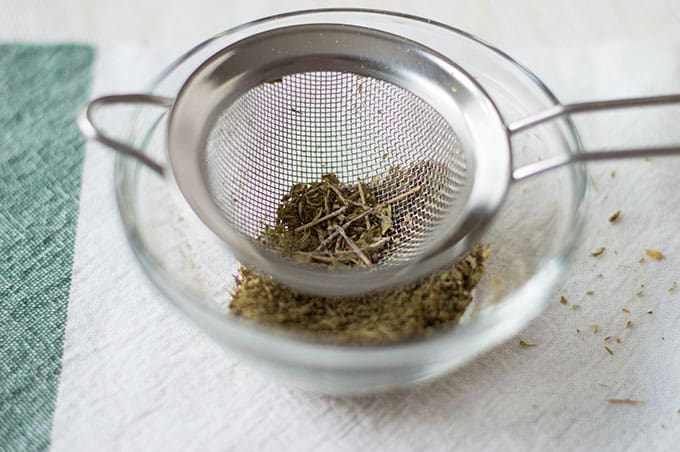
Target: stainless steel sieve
291	104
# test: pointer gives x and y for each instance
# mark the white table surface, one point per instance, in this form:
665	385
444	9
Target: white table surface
129	394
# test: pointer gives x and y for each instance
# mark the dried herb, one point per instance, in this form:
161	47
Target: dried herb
609	350
595	328
564	300
615	216
342	225
319	223
654	254
590	293
411	312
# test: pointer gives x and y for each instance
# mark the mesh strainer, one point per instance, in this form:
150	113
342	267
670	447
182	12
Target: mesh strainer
291	104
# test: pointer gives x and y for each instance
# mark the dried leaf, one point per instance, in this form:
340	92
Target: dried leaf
564	300
609	350
615	216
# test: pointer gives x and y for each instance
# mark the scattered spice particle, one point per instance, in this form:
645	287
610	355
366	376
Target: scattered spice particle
625	401
600	275
625	310
595	328
597	252
607	339
615	216
673	287
618	340
609	350
576	307
639	293
577	330
613	174
642	260
590	292
650	312
629	324
525	344
564	300
654	254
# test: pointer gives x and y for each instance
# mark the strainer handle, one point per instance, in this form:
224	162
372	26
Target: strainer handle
582	107
90	130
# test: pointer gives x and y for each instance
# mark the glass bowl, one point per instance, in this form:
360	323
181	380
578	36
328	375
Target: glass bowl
530	238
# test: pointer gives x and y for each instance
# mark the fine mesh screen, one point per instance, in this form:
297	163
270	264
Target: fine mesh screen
305	125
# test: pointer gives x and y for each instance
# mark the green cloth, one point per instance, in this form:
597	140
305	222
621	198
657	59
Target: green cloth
41	157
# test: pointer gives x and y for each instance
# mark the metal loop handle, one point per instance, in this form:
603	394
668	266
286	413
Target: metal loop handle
90	130
581	107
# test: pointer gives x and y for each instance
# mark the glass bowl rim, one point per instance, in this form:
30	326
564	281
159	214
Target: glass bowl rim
501	322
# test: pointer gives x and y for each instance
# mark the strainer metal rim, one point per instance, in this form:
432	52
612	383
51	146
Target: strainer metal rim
482	121
520	306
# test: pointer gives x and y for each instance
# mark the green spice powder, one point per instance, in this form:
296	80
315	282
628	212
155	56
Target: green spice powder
339	225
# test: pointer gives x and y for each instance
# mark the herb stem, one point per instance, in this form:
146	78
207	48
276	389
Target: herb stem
406	194
354	246
338	193
321	220
363	201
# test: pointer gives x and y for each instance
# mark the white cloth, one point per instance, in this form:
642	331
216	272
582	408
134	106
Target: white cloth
137	375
